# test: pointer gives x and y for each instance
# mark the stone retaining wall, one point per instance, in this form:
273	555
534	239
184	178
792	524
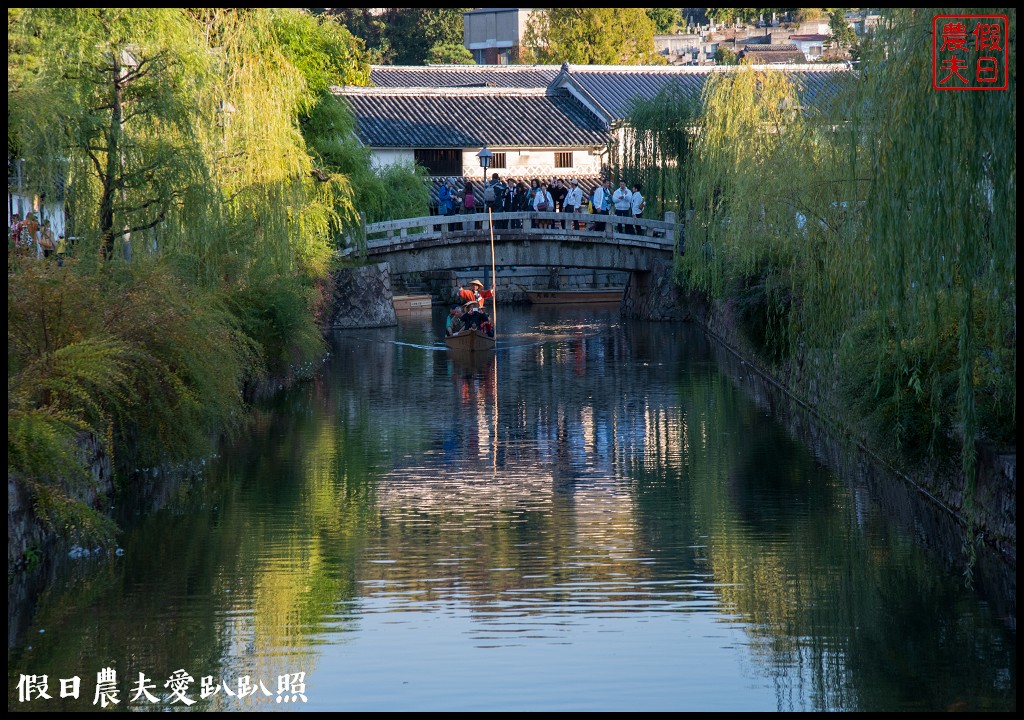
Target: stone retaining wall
362	297
25	531
813	383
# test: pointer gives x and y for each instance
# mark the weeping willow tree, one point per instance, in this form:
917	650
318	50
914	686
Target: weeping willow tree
874	234
768	208
176	133
940	232
101	104
657	146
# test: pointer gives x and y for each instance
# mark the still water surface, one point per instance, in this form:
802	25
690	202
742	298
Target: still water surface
592	518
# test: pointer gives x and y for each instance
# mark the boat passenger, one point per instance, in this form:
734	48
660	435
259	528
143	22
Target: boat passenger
454	322
474	317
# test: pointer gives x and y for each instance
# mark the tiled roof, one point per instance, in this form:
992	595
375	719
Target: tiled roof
464	118
613	89
769	54
513	76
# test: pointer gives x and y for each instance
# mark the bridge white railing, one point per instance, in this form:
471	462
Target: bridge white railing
660	234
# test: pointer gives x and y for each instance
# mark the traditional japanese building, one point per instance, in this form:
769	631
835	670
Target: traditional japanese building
539	120
533	132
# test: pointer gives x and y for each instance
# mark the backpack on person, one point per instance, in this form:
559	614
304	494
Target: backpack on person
489	194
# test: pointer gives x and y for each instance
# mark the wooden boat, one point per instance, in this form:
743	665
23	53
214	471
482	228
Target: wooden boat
469	341
574	297
410	303
470	360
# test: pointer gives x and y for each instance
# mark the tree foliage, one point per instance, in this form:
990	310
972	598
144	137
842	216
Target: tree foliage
941	224
109	100
842	34
322	49
451	54
725	56
666	20
183	131
875	235
406	36
657	148
591	36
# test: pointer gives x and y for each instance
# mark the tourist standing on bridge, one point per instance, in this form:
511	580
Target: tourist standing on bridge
573	201
496	190
637	205
520	203
623	203
558	193
542	202
469	203
531	197
445	197
507	202
601	199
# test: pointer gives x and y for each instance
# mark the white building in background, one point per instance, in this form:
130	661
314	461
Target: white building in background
533	131
811	45
21	201
494	35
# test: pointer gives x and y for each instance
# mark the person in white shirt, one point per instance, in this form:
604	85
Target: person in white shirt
622	199
601	200
542	202
573	200
637	204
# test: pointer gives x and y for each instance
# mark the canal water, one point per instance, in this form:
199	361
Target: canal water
593	517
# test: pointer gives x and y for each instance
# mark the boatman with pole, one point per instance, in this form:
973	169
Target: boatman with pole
475	293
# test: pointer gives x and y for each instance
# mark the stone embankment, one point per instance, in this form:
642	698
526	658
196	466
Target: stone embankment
813	383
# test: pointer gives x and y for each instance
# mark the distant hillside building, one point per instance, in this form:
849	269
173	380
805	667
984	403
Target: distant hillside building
786	54
494	35
811	45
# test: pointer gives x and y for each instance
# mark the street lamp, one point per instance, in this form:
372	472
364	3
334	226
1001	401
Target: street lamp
485	156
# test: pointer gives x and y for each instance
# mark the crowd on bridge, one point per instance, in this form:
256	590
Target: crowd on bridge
498	196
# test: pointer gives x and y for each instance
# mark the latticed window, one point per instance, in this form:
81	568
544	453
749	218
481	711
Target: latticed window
498	162
563	159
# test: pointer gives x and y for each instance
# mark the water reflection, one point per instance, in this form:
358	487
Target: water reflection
591	517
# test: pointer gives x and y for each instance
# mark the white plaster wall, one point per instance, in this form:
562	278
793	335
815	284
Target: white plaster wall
533	163
383	158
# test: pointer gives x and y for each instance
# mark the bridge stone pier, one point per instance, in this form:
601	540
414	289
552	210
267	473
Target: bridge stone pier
643	248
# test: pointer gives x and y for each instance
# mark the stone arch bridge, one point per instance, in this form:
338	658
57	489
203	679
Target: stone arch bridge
537	239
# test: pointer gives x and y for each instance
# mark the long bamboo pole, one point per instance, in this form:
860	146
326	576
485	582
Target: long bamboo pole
494	324
494	278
